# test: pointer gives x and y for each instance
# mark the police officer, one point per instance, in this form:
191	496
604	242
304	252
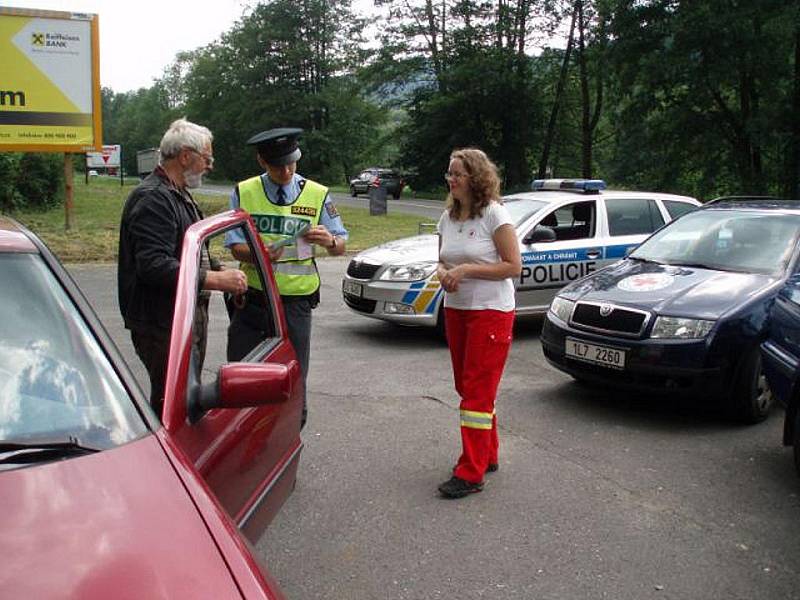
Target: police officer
281	202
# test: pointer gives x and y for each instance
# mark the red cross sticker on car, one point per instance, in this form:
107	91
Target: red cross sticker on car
646	282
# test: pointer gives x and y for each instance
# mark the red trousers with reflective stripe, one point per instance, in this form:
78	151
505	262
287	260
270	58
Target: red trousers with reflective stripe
479	342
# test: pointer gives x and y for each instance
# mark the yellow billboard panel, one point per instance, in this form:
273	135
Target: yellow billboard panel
49	81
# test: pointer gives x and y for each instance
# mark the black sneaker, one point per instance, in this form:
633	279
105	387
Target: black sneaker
458	488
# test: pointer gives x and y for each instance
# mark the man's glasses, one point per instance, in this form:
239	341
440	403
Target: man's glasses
451	175
209	159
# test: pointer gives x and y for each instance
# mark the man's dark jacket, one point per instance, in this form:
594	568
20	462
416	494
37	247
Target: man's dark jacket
154	221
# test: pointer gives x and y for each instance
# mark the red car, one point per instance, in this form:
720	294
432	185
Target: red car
102	499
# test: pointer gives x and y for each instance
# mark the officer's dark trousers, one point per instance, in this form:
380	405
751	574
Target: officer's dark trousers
153	350
247	330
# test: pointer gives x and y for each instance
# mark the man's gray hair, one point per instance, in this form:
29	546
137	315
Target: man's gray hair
184	134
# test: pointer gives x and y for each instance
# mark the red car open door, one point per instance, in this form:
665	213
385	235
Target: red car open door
238	423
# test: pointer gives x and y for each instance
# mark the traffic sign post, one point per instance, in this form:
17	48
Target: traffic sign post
109	157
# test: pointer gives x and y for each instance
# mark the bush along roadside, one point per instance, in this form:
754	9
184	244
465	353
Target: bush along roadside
31	181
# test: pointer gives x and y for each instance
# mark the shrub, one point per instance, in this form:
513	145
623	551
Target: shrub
10	198
40	180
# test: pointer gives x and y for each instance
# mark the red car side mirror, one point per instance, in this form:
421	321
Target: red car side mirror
241	385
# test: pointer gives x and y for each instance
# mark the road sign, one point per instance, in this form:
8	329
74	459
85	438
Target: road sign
108	157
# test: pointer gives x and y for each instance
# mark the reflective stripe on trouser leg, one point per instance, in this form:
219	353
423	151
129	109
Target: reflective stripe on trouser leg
476	420
479	346
494	444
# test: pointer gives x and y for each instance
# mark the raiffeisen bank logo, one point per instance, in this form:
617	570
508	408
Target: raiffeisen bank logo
58	42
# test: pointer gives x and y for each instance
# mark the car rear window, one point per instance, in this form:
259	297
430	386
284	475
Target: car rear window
632	216
676	208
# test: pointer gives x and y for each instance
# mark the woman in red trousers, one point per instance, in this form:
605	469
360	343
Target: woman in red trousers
478	257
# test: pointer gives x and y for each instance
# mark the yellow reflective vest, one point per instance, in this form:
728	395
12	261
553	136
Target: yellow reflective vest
294	277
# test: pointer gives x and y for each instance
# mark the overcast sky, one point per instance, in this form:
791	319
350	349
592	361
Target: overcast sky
138	38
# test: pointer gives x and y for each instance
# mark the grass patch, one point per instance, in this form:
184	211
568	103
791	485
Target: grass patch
98	207
367	231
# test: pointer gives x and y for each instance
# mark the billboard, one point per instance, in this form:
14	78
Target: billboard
49	81
109	156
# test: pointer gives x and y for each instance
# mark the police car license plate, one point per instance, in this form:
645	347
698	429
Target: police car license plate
351	287
593	353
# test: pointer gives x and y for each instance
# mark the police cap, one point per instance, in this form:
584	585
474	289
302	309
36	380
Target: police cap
277	147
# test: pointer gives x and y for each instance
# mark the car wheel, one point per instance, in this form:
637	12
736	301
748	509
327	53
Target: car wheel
396	195
751	395
353	191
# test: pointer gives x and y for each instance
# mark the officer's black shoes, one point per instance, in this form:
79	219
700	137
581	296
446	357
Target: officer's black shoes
458	488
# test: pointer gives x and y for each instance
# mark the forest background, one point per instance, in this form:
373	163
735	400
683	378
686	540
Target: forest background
698	97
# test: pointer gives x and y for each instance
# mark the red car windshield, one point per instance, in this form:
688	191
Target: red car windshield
56	383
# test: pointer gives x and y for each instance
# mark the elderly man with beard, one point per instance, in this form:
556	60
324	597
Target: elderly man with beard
155	218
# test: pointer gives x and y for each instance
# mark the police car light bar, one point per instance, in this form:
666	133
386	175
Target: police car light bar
587	186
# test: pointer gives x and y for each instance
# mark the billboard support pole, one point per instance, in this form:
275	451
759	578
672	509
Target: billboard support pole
68	190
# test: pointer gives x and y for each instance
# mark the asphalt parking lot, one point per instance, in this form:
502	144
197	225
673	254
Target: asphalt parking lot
599	494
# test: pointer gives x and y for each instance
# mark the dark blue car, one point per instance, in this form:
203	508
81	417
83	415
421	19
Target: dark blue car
781	354
686	312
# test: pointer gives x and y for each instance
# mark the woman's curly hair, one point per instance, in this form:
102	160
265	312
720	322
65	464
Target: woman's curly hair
484	182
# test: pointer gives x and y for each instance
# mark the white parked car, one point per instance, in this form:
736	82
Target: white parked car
567	229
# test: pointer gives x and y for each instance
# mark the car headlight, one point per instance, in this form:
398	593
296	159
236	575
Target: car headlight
682	329
562	308
410	272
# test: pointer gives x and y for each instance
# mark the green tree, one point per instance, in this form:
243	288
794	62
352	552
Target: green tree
791	179
281	65
137	120
475	80
702	108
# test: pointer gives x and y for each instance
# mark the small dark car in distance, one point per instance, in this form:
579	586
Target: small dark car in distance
101	497
781	355
375	177
686	312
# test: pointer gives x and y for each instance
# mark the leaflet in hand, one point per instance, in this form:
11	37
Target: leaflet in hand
297	239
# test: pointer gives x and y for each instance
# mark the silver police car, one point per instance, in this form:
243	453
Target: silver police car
566	229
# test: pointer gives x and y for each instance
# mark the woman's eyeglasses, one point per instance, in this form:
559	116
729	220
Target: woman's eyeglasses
451	175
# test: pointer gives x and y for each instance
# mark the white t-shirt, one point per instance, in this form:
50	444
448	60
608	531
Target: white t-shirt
471	241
